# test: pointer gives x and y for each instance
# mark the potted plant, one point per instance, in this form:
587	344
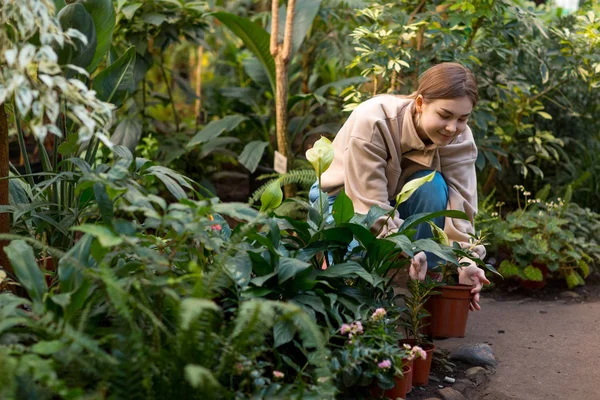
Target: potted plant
368	360
414	322
541	239
449	307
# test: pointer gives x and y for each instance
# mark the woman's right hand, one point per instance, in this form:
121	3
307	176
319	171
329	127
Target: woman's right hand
418	266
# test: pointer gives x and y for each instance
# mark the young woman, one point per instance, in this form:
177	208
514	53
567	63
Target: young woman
390	140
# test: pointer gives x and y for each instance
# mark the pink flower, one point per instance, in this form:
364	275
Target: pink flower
358	327
216	227
345	329
278	374
385	364
378	314
416	352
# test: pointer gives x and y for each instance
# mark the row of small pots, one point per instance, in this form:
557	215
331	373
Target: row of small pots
449	312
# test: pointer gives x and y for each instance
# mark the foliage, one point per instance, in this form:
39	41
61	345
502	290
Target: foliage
368	353
149	303
545	236
415	312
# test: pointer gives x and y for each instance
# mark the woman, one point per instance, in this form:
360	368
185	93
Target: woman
390	140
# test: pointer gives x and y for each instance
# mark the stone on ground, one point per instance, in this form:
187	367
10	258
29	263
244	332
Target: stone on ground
451	394
478	354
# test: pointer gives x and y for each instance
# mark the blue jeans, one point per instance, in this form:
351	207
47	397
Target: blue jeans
430	197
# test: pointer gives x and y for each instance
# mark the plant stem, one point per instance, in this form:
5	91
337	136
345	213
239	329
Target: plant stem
23	147
4	188
164	74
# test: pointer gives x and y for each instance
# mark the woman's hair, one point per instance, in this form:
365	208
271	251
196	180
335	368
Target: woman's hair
447	81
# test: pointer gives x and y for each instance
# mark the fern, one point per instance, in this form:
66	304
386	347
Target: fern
302	177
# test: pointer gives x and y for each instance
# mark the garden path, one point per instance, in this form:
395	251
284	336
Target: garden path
545	350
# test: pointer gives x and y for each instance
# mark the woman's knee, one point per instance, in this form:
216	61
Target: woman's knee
431	196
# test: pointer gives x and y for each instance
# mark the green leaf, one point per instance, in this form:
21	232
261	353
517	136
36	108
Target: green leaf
508	269
104	203
129	10
584	267
573	279
201	378
105	235
114	83
47	348
128	133
417	219
272	196
283	332
252	154
410	187
255	38
27	270
103	15
75	16
289	268
215	128
155	19
59	5
533	273
346	270
544	115
192	308
343	209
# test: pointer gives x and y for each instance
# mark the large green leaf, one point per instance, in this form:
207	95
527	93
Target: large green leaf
76	17
103	14
214	128
59	5
289	268
254	37
27	270
115	82
252	154
343	210
128	133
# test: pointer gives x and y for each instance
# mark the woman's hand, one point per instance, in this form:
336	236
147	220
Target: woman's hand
473	275
418	267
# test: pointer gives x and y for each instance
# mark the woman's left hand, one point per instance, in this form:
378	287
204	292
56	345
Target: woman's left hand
473	275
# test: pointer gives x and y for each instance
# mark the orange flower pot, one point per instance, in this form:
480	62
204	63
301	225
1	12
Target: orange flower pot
401	385
421	368
449	311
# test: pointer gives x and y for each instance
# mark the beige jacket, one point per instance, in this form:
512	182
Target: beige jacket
378	148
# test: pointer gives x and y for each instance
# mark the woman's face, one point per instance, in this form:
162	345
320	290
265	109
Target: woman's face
443	119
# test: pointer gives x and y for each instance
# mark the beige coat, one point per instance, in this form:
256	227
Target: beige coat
378	148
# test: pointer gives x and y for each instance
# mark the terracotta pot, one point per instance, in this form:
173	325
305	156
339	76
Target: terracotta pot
421	368
449	311
409	374
401	385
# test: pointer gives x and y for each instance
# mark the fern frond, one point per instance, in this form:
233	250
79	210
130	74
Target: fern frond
302	177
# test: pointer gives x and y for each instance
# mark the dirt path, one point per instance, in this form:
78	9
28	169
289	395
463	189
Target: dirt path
545	350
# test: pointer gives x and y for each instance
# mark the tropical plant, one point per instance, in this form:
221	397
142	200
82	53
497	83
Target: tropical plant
150	302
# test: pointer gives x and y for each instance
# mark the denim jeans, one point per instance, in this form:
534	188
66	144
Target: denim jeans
430	197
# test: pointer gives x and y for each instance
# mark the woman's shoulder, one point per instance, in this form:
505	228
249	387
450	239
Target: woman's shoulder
383	106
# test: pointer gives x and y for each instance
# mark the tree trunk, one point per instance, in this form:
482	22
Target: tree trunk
281	54
4	217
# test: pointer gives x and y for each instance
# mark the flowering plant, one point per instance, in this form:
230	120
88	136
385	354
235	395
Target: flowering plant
368	352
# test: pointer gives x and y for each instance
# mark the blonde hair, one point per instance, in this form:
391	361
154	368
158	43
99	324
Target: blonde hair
447	81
